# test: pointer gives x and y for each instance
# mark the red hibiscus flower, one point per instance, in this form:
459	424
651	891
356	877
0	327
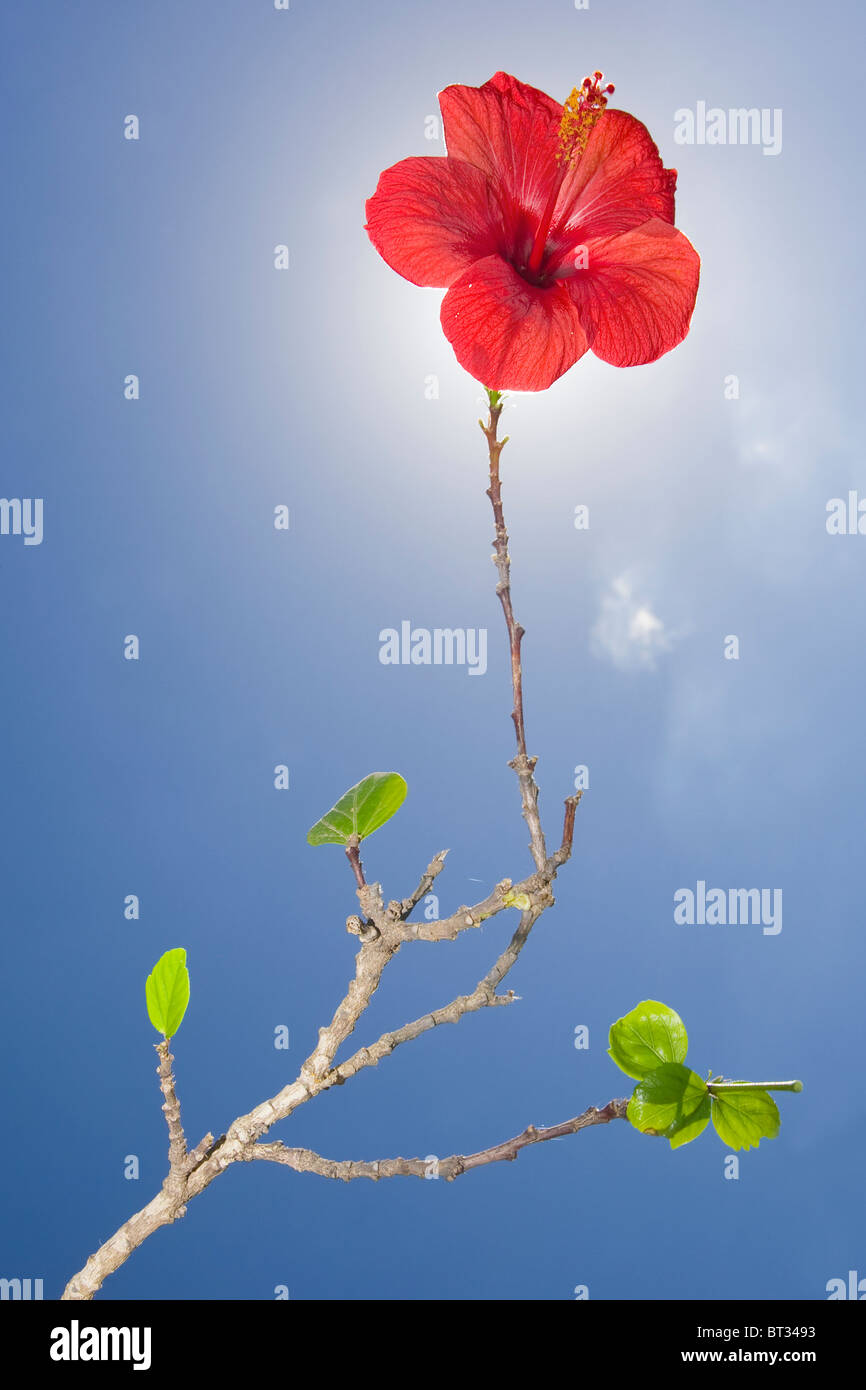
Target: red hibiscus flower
551	228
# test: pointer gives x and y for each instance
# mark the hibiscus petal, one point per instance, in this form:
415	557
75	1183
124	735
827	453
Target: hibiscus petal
508	130
430	218
510	335
618	183
636	298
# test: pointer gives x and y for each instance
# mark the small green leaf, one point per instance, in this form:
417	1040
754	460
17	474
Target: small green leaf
673	1101
167	992
743	1118
361	810
647	1037
692	1126
494	397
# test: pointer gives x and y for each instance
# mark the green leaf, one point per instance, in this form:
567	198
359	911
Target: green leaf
647	1037
167	992
692	1126
363	808
743	1118
673	1101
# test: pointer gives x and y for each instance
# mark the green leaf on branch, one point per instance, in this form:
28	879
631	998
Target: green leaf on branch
692	1125
167	992
361	810
649	1036
672	1101
494	397
743	1118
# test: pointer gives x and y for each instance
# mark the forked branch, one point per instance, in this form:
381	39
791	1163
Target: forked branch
382	931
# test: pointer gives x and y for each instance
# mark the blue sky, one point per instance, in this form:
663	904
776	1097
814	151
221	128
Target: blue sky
307	387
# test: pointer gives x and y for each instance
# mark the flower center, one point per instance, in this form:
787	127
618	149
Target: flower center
579	114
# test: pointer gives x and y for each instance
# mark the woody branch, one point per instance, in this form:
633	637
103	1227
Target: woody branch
523	764
306	1161
382	931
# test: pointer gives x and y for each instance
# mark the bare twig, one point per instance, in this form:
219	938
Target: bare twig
482	997
171	1109
306	1161
560	856
428	878
523	764
449	928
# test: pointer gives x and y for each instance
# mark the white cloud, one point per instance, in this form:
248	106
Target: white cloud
627	631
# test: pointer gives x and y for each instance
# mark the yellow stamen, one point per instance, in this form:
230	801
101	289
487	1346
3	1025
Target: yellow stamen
579	114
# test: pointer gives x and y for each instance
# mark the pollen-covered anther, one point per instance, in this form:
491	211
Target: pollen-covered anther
579	114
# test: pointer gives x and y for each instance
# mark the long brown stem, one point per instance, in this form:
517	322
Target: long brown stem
523	764
306	1161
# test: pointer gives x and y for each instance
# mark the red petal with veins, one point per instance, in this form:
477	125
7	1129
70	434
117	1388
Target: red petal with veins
431	218
508	334
619	182
509	131
636	298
